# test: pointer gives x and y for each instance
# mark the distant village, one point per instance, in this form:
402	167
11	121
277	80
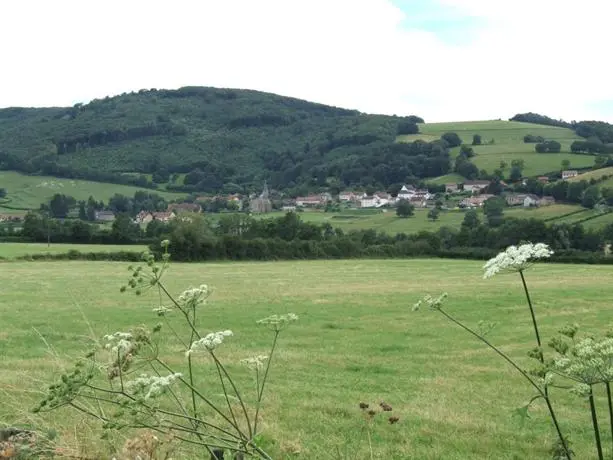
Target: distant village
470	194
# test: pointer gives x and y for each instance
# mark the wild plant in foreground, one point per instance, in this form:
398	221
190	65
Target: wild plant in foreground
127	382
515	260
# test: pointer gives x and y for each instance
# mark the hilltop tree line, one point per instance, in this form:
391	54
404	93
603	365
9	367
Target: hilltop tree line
599	130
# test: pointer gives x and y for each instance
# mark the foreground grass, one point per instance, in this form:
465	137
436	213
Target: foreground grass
28	192
13	250
356	340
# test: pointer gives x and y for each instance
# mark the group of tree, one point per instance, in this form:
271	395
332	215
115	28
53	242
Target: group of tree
588	129
548	147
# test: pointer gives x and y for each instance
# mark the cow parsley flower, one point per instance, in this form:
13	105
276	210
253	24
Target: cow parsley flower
255	362
516	258
151	386
119	342
193	297
210	342
428	301
278	322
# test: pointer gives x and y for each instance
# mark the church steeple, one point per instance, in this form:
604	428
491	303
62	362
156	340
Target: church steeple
265	192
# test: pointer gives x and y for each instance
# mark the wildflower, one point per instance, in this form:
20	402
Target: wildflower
165	243
210	342
278	322
119	342
516	258
161	310
255	362
193	297
151	386
431	302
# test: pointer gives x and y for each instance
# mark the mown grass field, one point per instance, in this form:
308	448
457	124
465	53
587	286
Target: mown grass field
390	223
508	144
356	340
28	192
14	250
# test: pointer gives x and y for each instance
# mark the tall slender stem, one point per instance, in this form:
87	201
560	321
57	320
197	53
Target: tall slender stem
545	396
608	386
595	425
261	390
534	323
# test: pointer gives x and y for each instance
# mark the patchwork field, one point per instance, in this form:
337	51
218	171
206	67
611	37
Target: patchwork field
28	192
14	250
508	144
356	341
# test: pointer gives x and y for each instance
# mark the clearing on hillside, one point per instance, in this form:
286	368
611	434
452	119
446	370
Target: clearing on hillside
508	145
28	192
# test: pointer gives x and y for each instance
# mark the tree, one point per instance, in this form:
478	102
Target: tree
515	174
433	214
591	197
452	139
407	127
82	211
124	230
471	219
519	163
467	151
565	164
503	165
494	210
476	139
465	168
119	203
548	147
600	161
60	205
2	192
404	209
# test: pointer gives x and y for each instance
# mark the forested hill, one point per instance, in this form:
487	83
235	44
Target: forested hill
220	139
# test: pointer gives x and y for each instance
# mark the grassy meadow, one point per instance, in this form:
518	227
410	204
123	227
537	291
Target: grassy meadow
508	144
28	192
14	250
356	340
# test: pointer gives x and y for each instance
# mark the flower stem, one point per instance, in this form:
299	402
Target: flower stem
544	394
608	386
595	425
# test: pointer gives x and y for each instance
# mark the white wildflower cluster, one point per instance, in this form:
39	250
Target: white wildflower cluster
193	297
255	362
428	301
589	362
209	342
161	310
151	386
516	258
278	322
119	342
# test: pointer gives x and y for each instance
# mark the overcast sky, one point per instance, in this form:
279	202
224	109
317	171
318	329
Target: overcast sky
441	59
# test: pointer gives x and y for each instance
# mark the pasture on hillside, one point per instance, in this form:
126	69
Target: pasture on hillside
28	192
508	144
357	340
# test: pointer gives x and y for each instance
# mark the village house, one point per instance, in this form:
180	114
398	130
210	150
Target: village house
418	202
476	186
531	200
105	216
475	201
543	179
407	192
10	218
375	201
348	196
288	208
515	199
313	200
547	201
569	173
144	217
186	207
451	188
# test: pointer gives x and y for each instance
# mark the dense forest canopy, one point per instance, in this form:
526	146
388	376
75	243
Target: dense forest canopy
229	139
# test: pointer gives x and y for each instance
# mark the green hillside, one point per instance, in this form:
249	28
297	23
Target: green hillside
508	145
28	192
228	140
